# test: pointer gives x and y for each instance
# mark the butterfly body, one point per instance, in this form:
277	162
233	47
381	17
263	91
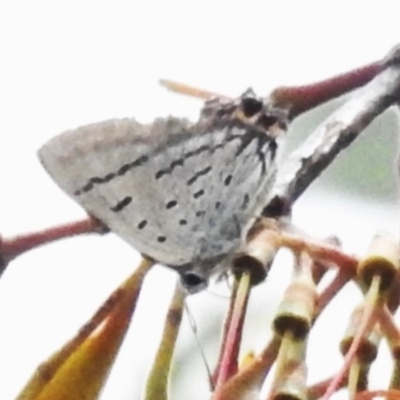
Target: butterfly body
183	194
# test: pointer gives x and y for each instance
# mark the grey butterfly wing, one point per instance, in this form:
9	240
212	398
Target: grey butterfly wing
223	186
102	166
173	191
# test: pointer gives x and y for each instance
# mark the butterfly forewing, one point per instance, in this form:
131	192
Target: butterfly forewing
175	191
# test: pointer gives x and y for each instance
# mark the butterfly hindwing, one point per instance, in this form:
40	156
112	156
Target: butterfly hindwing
173	190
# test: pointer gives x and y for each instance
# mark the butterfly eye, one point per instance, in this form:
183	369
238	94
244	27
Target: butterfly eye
251	106
193	282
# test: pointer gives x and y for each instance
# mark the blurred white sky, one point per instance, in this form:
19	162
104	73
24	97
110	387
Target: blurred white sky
64	64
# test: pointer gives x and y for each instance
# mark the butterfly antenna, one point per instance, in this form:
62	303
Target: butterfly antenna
221	277
218	295
187	90
193	325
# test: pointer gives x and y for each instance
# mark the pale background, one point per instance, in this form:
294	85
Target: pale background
64	64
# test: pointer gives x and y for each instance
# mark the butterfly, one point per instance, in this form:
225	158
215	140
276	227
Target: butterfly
184	194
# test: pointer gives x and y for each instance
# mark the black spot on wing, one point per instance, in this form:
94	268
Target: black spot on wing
159	174
127	167
228	180
180	161
142	224
198	194
171	204
98	180
108	177
198	174
121	204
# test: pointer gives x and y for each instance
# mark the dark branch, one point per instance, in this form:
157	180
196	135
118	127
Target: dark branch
300	99
337	132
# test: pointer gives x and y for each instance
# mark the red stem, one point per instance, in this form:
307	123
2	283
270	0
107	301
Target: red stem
228	365
11	248
299	99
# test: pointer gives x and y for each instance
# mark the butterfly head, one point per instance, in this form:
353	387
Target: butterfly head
249	109
195	275
193	282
